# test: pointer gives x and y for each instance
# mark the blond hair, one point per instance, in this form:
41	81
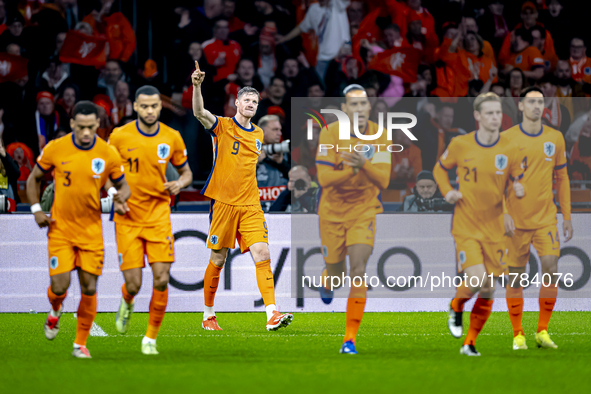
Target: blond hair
483	98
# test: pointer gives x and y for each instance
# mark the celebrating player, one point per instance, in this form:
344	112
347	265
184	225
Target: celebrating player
82	163
543	154
235	212
351	183
146	146
485	159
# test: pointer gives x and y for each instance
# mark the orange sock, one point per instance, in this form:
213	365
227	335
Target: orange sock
355	308
479	316
515	306
126	296
157	310
463	294
55	300
547	302
266	282
210	283
85	317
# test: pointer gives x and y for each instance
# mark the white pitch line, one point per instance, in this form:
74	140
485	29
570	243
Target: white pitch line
95	330
322	335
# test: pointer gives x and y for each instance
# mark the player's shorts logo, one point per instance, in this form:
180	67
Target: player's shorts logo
163	151
549	149
53	263
98	166
501	162
587	70
324	251
259	145
518	59
214	239
120	259
462	256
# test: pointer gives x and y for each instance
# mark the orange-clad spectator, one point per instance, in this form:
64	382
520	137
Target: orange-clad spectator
122	106
524	56
416	10
228	12
579	62
23	156
426	44
116	28
529	19
469	62
220	52
469	25
407	164
580	157
538	34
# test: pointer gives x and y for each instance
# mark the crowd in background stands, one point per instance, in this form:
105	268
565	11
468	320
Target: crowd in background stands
54	53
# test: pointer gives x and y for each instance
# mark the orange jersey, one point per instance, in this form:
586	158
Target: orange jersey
540	155
483	172
235	155
527	60
581	69
145	158
80	175
356	197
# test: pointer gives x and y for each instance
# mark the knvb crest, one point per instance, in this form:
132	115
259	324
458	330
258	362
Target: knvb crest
214	239
501	162
549	149
163	151
368	154
98	166
259	145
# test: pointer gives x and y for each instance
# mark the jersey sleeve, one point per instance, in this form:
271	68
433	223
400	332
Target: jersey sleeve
515	170
326	156
45	161
560	161
448	159
115	167
217	128
179	156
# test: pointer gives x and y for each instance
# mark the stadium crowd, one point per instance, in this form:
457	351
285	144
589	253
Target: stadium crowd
410	55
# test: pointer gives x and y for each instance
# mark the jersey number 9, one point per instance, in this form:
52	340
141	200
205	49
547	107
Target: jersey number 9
236	147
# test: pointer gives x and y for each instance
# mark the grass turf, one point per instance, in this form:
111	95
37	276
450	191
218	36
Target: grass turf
398	352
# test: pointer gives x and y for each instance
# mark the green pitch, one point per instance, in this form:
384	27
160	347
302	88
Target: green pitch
398	353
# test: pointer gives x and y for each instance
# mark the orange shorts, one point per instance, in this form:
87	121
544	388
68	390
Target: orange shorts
470	252
133	242
230	223
337	236
545	240
65	256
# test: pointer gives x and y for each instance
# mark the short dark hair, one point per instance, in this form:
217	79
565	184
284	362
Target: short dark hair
280	77
393	26
547	78
525	35
148	90
247	90
528	90
85	107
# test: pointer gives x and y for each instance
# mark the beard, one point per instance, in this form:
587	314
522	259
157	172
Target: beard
149	124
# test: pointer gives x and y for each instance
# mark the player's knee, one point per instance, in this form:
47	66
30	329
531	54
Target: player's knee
89	289
133	286
161	281
59	288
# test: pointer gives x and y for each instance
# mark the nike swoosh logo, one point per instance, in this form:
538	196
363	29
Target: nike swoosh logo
238	138
467	160
129	150
555	248
520	149
64	162
211	287
170	254
264	236
269	278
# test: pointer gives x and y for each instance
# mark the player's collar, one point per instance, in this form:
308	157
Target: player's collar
239	125
364	131
481	144
80	147
137	126
531	135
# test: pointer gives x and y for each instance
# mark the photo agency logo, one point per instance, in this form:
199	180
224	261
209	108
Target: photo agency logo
345	134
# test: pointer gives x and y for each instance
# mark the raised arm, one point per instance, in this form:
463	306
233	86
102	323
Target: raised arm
206	118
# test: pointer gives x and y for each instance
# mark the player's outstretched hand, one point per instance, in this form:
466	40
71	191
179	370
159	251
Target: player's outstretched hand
453	196
120	208
509	226
173	187
42	219
568	230
519	189
197	76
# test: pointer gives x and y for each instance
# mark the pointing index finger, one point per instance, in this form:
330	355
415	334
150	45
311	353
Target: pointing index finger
197	65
